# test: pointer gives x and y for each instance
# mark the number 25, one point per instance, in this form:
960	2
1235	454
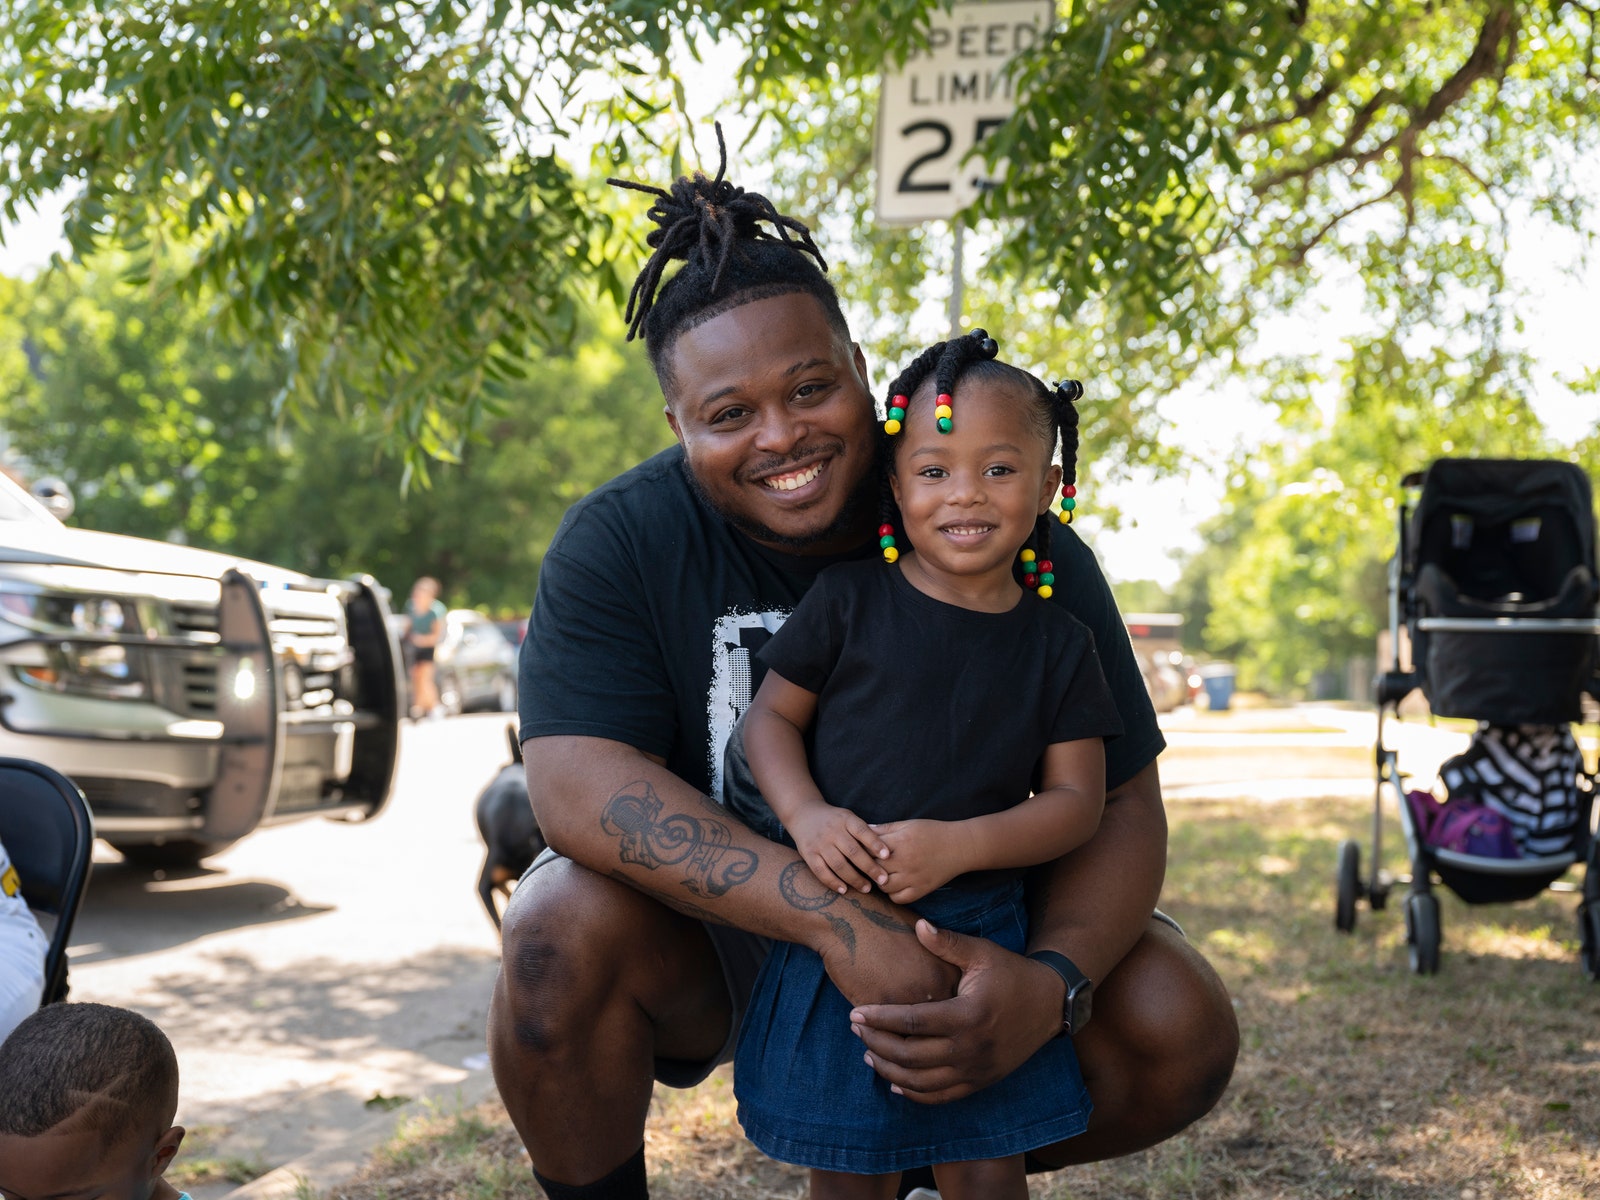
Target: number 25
907	182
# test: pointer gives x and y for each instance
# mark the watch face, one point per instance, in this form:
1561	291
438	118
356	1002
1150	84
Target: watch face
1080	1000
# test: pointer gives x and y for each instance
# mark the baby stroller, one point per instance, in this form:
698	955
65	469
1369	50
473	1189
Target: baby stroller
1494	582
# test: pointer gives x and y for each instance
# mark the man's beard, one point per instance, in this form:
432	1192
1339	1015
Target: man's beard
852	518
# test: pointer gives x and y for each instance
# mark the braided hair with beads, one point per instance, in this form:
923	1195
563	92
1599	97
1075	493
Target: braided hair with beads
730	257
1054	411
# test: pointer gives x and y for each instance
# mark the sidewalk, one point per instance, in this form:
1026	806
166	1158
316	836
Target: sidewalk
1267	754
316	1173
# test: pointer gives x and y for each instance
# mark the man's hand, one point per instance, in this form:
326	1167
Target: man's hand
923	855
1004	1009
839	847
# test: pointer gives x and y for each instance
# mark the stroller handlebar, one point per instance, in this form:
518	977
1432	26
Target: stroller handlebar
1509	624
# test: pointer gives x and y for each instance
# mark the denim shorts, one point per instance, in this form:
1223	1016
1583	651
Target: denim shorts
807	1097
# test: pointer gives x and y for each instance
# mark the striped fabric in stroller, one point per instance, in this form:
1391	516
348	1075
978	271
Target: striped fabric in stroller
1530	775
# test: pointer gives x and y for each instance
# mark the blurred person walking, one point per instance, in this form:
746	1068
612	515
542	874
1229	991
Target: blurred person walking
425	616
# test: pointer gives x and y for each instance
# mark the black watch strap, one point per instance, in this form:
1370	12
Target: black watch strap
1075	1006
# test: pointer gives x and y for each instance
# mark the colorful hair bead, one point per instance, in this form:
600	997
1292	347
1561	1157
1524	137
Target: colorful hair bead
1030	567
886	542
942	413
1068	503
897	414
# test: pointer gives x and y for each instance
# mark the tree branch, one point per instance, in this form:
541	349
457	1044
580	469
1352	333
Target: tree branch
1297	256
1492	54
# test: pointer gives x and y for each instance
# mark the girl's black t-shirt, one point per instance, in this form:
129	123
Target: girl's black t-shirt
651	608
926	709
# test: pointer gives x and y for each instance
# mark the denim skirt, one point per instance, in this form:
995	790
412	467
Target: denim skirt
807	1097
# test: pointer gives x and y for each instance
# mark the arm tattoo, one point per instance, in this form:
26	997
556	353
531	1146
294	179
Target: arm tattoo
801	889
701	846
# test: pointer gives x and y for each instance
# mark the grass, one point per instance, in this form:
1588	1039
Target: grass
1356	1078
198	1162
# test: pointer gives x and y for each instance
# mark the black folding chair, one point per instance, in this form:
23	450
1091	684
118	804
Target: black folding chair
48	833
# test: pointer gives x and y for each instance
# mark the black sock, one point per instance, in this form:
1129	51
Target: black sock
915	1177
627	1182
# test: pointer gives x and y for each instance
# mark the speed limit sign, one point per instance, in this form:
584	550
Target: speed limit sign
953	89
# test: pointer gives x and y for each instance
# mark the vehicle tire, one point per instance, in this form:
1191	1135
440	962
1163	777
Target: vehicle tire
179	852
505	694
1344	914
1589	940
1422	932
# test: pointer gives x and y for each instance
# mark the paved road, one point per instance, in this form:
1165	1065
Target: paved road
316	966
313	966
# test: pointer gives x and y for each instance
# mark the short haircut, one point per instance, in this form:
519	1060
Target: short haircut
65	1058
715	228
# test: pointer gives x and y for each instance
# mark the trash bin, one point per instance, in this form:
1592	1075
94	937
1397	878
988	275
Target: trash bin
1217	679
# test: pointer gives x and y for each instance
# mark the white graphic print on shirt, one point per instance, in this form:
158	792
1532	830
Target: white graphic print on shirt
735	640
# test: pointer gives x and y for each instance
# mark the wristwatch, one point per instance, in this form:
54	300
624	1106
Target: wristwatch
1078	1003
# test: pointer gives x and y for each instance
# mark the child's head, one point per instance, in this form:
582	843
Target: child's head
969	462
87	1105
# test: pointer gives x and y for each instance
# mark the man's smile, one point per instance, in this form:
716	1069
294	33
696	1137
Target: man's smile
806	472
793	480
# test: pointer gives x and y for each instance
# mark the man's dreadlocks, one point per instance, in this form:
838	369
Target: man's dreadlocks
729	259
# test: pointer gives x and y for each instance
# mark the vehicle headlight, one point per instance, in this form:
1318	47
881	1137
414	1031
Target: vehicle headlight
69	657
68	613
110	672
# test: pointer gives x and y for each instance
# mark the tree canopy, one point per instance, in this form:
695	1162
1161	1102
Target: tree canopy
373	184
1293	577
346	227
185	445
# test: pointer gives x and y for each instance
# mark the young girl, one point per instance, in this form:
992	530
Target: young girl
929	725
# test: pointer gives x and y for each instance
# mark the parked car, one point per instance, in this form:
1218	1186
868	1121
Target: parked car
193	696
475	665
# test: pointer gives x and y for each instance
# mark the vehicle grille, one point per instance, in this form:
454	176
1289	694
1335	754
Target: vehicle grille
197	676
195	620
296	639
304	627
200	689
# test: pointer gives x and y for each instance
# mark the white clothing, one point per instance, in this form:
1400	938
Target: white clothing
22	951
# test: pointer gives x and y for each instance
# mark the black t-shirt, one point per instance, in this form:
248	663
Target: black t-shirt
926	709
651	609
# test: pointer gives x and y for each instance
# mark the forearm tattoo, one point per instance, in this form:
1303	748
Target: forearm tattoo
701	846
803	890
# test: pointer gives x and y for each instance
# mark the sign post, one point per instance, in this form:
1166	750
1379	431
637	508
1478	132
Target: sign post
954	88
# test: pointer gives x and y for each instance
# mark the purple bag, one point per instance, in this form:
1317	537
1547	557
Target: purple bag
1425	809
1467	827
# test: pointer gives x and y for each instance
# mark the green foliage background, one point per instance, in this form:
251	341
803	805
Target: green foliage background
353	260
166	430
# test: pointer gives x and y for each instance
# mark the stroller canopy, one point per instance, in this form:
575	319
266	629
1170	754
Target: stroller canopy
1501	526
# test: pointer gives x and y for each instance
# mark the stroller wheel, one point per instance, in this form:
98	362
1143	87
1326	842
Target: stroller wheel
1344	913
1589	940
1422	932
